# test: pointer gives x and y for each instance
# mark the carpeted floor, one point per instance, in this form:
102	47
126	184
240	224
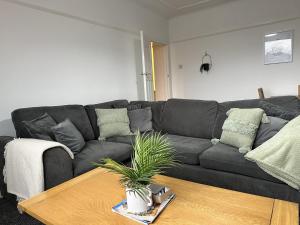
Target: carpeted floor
9	215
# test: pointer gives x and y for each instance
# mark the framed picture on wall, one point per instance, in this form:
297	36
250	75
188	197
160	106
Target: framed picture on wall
279	47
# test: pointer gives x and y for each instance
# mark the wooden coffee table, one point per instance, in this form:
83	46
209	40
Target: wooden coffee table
88	199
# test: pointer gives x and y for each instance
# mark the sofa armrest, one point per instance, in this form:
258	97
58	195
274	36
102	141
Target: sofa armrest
3	141
58	167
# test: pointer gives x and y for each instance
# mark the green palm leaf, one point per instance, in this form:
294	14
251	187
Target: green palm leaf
152	154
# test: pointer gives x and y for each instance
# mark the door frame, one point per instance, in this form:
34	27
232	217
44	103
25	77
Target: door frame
167	59
146	48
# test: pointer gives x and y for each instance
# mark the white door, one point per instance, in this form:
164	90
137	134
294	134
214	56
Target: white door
146	74
161	76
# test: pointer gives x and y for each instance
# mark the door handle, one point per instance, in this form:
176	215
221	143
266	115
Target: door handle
145	74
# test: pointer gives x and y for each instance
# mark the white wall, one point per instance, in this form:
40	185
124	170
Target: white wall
54	52
233	34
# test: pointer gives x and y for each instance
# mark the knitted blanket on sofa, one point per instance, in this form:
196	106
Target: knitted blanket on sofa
280	156
23	170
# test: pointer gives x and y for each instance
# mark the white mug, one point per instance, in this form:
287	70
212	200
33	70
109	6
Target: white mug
136	204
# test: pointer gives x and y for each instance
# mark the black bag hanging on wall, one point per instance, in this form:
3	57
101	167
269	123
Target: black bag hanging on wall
206	66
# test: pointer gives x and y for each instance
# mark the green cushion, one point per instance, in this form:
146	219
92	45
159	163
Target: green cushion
239	129
112	122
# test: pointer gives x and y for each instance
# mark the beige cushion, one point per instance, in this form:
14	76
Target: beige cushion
112	122
239	129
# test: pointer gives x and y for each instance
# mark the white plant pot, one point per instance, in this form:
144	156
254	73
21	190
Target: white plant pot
136	204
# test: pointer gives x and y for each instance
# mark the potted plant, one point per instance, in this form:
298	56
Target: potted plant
151	155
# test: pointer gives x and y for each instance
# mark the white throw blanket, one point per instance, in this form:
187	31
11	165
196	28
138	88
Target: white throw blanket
280	156
23	171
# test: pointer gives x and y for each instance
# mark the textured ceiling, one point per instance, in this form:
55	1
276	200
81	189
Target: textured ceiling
171	8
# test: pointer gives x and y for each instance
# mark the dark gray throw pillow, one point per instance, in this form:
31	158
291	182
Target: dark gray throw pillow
140	120
40	127
277	111
66	133
268	130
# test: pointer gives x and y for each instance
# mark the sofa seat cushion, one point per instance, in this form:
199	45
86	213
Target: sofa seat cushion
188	149
128	139
95	150
226	158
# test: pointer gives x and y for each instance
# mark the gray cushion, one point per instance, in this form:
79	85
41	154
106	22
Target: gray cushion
95	150
191	118
157	109
227	158
278	111
290	103
75	113
128	139
90	110
67	134
140	120
268	130
40	127
188	149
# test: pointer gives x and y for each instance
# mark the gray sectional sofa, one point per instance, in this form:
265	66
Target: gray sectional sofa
189	126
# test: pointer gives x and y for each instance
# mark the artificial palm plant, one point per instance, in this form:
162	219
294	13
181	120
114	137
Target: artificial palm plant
151	155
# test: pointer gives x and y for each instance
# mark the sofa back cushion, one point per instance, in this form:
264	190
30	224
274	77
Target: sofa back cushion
291	103
75	113
90	109
278	111
192	118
